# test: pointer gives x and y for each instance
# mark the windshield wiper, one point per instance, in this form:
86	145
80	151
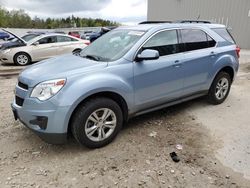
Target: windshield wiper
93	57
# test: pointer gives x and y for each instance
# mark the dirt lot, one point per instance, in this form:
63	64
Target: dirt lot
139	157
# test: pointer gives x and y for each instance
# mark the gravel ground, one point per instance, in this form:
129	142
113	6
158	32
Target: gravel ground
139	156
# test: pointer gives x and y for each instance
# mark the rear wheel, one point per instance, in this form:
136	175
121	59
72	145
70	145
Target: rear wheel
97	122
220	88
22	59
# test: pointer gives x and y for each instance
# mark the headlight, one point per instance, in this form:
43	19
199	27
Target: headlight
6	51
47	89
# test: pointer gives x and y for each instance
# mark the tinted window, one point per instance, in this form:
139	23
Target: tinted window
165	42
65	39
195	39
211	42
47	40
225	34
29	37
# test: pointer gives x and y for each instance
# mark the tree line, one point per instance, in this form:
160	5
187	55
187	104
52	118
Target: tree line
20	19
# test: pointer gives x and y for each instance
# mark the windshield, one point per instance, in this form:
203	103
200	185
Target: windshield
29	37
112	46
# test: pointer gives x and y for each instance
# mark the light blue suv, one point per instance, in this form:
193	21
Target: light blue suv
127	72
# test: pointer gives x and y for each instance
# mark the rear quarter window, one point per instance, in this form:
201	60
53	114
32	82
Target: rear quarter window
195	39
224	33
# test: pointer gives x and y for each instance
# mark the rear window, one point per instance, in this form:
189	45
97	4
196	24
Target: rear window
224	33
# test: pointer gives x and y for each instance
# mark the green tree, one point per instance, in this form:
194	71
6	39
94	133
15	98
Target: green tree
20	19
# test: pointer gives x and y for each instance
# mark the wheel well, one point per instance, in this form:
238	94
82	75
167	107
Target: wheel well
22	53
76	49
228	70
111	95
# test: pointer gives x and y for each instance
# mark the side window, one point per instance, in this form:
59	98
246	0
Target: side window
224	33
47	40
195	39
211	42
65	39
165	42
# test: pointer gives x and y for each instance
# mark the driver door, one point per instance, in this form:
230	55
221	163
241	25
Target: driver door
161	80
45	48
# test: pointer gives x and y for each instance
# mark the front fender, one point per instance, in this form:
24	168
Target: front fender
80	89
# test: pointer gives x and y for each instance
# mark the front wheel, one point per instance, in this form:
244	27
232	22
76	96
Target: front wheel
22	59
97	122
220	88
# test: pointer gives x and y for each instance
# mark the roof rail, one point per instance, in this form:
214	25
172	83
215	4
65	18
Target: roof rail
154	22
193	21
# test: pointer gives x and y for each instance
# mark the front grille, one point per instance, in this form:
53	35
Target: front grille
19	101
23	86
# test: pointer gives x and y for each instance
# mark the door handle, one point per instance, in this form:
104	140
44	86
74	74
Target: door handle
212	54
177	64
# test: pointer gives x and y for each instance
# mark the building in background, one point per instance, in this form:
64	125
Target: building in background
233	13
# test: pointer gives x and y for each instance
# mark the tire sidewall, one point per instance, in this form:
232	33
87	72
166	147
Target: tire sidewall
22	53
76	52
85	111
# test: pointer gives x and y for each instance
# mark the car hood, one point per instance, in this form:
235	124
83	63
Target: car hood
59	67
17	37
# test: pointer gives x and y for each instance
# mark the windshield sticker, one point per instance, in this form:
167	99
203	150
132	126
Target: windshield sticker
138	33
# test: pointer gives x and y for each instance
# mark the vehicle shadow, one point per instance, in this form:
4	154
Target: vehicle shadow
135	123
166	112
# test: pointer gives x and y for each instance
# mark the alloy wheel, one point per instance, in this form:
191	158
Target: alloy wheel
22	59
221	88
100	124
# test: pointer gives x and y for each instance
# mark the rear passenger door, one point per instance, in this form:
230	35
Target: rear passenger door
66	44
200	54
161	80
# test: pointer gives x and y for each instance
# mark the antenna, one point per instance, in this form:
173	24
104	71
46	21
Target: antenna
198	17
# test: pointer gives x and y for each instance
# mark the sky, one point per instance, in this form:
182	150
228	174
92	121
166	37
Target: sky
127	12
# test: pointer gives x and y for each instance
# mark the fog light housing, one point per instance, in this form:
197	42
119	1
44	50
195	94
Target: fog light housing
41	121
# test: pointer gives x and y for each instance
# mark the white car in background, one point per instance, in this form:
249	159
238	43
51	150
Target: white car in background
39	46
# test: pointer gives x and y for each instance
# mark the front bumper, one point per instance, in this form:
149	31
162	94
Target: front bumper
6	57
28	119
47	119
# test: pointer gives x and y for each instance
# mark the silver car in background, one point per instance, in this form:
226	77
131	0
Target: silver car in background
22	51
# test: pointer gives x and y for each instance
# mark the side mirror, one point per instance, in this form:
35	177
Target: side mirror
148	55
35	43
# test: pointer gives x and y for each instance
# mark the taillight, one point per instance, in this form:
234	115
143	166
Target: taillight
238	51
87	43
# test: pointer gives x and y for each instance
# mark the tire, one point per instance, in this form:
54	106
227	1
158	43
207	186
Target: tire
85	120
220	88
22	59
77	52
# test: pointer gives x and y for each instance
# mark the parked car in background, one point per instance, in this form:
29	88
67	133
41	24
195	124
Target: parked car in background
85	34
127	72
4	35
6	40
95	35
15	42
39	46
75	34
